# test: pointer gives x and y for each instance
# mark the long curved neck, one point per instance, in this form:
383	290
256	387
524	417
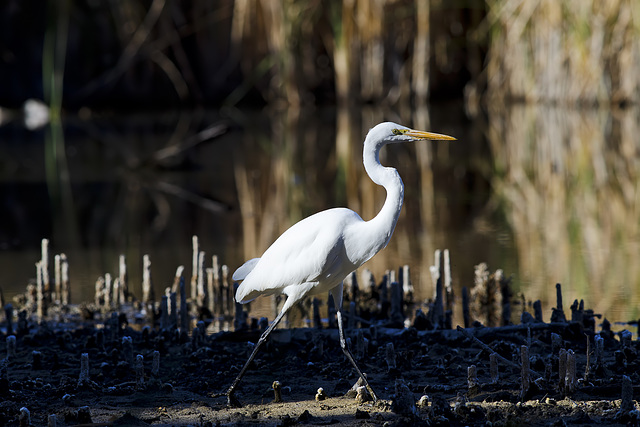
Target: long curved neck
382	225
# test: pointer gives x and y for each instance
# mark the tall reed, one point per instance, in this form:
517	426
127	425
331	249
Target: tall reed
381	50
569	51
567	180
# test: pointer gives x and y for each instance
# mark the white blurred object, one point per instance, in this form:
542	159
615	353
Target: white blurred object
36	114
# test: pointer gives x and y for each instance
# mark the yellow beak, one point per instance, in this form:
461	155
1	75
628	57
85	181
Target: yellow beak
418	134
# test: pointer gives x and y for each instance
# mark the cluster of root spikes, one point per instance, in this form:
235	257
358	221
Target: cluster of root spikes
117	345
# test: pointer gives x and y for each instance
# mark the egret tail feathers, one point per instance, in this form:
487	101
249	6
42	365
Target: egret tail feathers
244	270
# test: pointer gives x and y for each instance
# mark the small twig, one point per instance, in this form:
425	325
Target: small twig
84	368
139	368
277	387
627	394
122	274
8	314
525	371
490	350
562	369
184	319
147	287
194	269
11	347
57	281
448	288
472	378
24	417
599	342
493	363
587	367
202	136
570	376
64	276
390	356
155	366
556	343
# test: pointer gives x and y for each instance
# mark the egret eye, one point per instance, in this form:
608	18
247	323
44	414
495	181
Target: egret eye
397	132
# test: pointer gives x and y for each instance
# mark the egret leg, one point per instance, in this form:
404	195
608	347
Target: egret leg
345	350
231	400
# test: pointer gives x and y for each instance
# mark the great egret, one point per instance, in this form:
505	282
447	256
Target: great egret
317	253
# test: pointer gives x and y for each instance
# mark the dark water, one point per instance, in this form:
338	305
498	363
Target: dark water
546	194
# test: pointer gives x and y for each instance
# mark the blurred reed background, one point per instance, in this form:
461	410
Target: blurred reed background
256	51
542	95
313	52
563	52
569	189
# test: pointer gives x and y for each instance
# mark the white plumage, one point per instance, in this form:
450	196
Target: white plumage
317	253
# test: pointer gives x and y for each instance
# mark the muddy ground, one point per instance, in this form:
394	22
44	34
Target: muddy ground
44	376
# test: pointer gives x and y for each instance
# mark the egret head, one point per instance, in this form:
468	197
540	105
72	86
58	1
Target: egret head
389	133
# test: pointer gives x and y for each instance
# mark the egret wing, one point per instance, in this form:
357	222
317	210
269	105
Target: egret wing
311	251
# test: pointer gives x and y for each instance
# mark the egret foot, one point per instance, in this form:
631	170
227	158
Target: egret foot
232	401
347	353
373	395
362	386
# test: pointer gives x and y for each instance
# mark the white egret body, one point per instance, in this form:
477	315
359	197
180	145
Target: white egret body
316	254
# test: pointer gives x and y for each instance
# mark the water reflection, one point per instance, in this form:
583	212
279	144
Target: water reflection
567	181
545	193
126	198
